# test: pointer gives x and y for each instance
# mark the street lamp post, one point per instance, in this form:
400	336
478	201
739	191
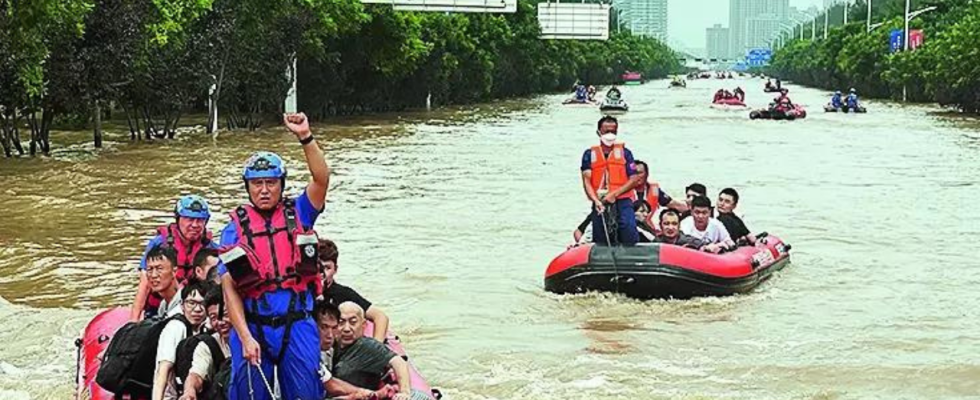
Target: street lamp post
846	6
826	21
869	15
813	29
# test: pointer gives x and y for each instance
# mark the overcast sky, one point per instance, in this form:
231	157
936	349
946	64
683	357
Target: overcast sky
687	19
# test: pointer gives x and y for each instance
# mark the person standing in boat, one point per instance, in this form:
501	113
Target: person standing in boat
270	277
609	178
187	235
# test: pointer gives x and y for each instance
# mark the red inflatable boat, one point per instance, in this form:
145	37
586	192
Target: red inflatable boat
660	271
97	334
730	102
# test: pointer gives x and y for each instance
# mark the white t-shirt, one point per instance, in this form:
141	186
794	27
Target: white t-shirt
202	362
173	308
170	338
714	233
326	365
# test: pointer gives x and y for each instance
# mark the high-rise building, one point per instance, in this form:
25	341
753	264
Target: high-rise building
762	12
760	30
717	42
648	18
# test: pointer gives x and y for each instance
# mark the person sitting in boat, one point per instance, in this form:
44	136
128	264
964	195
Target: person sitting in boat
739	94
650	191
161	277
720	94
701	225
783	103
581	93
205	266
192	308
613	96
335	293
362	361
327	316
270	275
609	178
646	232
208	355
837	101
852	100
187	235
670	233
768	83
727	201
691	191
591	93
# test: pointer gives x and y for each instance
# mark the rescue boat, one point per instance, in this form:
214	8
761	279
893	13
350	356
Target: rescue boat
663	271
99	331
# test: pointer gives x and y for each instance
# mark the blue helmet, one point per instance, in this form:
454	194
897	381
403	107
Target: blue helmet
192	206
264	164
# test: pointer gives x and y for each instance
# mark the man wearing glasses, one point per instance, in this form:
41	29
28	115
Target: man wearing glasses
178	329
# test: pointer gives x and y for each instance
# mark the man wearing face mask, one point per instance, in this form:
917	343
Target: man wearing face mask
609	177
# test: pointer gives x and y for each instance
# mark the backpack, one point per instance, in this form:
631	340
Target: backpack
220	383
185	357
130	360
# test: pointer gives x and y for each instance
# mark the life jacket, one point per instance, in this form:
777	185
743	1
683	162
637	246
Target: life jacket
610	173
185	252
185	258
130	360
272	253
185	358
852	101
836	101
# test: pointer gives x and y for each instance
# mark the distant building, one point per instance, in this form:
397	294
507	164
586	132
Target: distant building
647	18
749	21
716	45
760	30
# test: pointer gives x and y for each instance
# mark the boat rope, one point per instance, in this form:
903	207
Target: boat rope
605	228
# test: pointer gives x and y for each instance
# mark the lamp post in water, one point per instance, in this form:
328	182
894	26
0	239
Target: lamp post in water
869	15
908	18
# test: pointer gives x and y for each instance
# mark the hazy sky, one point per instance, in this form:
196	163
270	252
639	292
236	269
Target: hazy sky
687	19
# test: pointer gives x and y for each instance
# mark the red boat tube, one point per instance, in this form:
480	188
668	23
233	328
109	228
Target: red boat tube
660	271
97	334
730	102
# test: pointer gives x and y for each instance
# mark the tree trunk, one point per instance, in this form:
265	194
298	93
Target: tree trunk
5	134
45	133
98	125
35	131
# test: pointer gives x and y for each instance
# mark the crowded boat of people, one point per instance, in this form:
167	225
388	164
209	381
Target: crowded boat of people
253	311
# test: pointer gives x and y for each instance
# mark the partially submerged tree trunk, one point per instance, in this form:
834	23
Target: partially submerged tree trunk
98	125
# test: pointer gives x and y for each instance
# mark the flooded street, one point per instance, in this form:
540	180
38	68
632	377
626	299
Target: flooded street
448	219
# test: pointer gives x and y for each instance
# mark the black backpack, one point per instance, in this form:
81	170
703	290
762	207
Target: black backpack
185	357
130	360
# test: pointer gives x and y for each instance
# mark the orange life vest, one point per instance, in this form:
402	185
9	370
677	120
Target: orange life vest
610	173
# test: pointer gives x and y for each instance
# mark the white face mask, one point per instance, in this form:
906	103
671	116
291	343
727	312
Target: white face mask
608	139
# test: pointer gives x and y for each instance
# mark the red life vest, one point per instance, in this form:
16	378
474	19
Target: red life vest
185	252
610	172
185	257
272	253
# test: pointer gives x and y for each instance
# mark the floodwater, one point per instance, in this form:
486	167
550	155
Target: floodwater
448	219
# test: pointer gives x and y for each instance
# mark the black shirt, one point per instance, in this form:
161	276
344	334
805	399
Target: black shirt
734	225
337	293
363	363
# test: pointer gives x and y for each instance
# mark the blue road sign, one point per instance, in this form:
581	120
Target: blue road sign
897	40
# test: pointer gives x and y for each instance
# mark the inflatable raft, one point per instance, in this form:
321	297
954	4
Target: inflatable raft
844	109
98	333
731	103
798	112
661	271
617	107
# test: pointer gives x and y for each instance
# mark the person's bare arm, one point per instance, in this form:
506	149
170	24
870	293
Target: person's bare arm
299	125
400	366
236	312
337	388
160	379
192	386
589	191
142	291
380	320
